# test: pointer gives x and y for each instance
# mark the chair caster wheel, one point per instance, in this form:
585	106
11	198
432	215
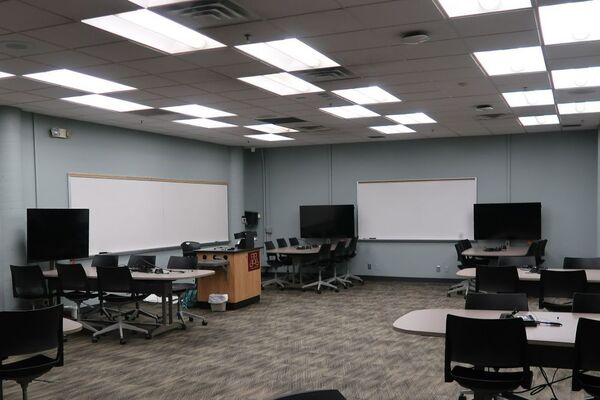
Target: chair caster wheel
183	327
304	290
337	290
345	287
204	323
191	319
448	295
122	341
319	291
148	336
94	340
462	397
281	288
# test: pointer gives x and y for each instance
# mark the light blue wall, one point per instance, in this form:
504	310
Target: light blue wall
559	170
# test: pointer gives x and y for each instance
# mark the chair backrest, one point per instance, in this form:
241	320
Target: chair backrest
114	280
72	277
497	301
189	248
32	331
281	242
556	283
540	250
351	250
504	344
324	252
513	261
497	280
180	262
28	282
315	395
105	260
269	245
581	263
465	262
340	249
586	303
587	345
138	260
294	241
466	244
533	248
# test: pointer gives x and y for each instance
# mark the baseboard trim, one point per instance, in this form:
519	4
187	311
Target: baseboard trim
409	279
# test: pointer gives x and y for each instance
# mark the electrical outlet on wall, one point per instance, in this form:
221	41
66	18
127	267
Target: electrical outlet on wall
446	269
369	266
438	268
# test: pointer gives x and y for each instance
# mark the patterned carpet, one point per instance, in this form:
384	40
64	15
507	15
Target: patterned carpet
291	341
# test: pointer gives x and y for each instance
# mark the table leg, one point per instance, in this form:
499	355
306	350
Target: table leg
170	306
163	300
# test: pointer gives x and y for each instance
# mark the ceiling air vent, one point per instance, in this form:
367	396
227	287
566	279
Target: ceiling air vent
280	120
326	74
208	13
313	128
155	112
571	126
581	91
376	137
487	117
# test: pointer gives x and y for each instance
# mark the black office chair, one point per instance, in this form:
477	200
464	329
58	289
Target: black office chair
517	261
273	264
350	254
497	301
586	303
74	285
294	241
587	348
581	263
322	261
557	288
281	242
338	256
504	345
28	283
315	395
285	260
142	263
464	262
189	248
532	250
115	286
497	280
26	333
540	252
105	260
181	289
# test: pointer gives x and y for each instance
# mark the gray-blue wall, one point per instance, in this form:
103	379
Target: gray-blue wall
558	170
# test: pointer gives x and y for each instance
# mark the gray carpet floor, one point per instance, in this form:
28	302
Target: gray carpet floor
291	341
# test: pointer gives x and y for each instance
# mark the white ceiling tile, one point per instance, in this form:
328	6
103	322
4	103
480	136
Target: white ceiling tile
194	77
324	23
159	65
395	13
73	35
11	45
175	91
111	71
493	23
146	81
120	51
18	98
283	8
503	41
20	66
66	59
12	17
81	9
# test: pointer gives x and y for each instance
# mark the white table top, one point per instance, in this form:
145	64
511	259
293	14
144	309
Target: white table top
509	252
593	275
432	322
174	275
70	326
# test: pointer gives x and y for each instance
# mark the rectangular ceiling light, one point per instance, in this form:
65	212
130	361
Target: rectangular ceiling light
283	84
5	75
288	54
195	110
269	137
411	119
459	8
512	61
528	98
551	119
270	128
155	3
576	78
79	81
350	112
107	103
575	21
148	28
204	123
367	95
583	107
392	129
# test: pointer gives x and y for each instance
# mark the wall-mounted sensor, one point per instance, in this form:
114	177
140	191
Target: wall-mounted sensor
60	133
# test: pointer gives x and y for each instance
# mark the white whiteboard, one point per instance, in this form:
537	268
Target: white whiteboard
436	209
128	214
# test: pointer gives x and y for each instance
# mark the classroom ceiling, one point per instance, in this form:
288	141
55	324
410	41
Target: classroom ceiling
439	77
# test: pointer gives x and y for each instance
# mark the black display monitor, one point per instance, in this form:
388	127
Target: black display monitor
57	234
336	221
508	221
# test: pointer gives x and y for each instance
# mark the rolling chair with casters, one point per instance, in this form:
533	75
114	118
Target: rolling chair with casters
350	254
587	348
28	283
540	252
464	262
581	263
105	260
338	256
74	285
142	262
179	289
497	279
497	301
294	241
189	248
504	346
274	264
516	261
112	281
586	303
322	261
285	260
30	332
557	288
315	395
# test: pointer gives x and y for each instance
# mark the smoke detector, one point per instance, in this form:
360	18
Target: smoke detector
414	37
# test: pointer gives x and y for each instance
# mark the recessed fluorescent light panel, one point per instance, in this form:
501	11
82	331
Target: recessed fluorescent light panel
155	3
195	110
153	30
269	137
349	112
411	119
270	128
528	98
575	78
79	81
551	119
107	103
459	8
583	107
392	129
283	84
512	61
288	54
5	75
204	123
367	95
575	21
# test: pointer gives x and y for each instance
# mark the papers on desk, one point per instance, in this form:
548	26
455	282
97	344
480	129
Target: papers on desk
157	299
529	319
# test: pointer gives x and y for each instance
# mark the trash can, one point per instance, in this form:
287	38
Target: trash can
218	302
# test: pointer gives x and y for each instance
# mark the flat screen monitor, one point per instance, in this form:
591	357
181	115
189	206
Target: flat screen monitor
335	221
251	218
508	221
57	234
